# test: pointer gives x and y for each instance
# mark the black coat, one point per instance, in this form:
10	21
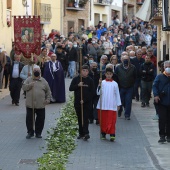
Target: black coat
88	91
147	71
72	54
63	60
21	65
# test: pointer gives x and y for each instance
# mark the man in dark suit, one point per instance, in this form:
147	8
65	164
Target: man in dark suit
72	57
15	80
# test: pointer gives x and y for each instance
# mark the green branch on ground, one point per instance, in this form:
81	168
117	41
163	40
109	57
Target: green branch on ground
61	140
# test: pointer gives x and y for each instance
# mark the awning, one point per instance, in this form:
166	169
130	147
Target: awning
145	11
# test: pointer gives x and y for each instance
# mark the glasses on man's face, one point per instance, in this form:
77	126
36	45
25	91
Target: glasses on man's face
104	59
113	59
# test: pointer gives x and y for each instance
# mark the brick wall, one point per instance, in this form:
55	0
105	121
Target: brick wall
75	15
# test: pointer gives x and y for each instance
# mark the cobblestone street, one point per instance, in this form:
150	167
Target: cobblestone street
136	145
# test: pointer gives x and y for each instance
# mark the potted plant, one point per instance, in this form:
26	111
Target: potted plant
70	3
82	3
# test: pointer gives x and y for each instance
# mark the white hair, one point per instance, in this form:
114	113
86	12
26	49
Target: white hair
109	65
167	63
104	56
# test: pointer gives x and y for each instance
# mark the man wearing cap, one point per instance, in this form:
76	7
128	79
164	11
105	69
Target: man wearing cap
54	75
38	95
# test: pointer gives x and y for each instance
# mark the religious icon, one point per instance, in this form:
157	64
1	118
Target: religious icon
27	35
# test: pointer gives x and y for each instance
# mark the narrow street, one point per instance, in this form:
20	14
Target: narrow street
136	145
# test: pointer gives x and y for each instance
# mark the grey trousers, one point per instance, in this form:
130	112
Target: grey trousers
146	91
1	77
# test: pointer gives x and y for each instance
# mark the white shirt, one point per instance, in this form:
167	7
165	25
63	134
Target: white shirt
15	71
110	96
54	66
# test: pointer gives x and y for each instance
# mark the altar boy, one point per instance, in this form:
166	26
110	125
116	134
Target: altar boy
108	105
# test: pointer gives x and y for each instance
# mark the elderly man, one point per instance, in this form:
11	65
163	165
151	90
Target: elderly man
2	65
54	75
126	73
15	80
72	57
161	91
94	74
38	95
137	62
132	55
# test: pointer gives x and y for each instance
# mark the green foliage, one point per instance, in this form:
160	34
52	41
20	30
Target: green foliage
60	140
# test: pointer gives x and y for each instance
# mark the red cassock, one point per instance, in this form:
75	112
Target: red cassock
107	119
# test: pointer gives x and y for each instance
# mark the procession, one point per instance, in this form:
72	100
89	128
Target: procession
92	96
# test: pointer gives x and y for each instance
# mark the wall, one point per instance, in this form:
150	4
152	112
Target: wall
56	15
74	15
6	32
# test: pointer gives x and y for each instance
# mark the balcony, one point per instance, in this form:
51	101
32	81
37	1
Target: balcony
44	11
140	2
156	12
103	2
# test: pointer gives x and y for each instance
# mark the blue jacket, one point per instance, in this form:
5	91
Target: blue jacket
161	88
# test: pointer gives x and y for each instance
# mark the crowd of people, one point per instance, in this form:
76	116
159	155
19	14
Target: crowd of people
125	53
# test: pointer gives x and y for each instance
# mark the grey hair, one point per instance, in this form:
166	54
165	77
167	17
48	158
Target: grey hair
138	51
92	63
167	63
103	56
53	55
108	65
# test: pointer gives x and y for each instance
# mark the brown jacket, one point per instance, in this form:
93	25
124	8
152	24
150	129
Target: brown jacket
38	95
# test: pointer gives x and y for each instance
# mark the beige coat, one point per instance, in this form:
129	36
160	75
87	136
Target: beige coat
39	94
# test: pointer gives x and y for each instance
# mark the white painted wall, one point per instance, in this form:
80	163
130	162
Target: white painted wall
117	3
29	8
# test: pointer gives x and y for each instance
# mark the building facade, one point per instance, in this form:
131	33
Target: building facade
49	11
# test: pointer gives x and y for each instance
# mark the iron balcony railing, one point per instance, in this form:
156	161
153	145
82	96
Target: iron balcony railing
156	8
44	11
103	2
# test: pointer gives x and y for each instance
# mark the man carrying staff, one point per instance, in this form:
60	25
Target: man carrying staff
38	95
84	98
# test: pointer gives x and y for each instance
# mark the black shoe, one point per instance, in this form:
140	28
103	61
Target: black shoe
168	139
137	100
17	104
80	136
127	118
97	122
119	113
86	137
103	136
29	136
162	139
13	102
147	105
142	104
38	136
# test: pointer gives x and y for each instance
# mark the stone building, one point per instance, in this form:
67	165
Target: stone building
75	17
49	11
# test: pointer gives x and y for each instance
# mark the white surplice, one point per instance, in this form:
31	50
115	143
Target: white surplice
110	96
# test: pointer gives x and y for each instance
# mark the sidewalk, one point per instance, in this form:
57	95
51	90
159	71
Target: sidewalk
17	152
136	146
3	93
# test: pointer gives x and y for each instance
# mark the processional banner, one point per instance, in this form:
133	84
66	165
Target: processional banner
27	35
